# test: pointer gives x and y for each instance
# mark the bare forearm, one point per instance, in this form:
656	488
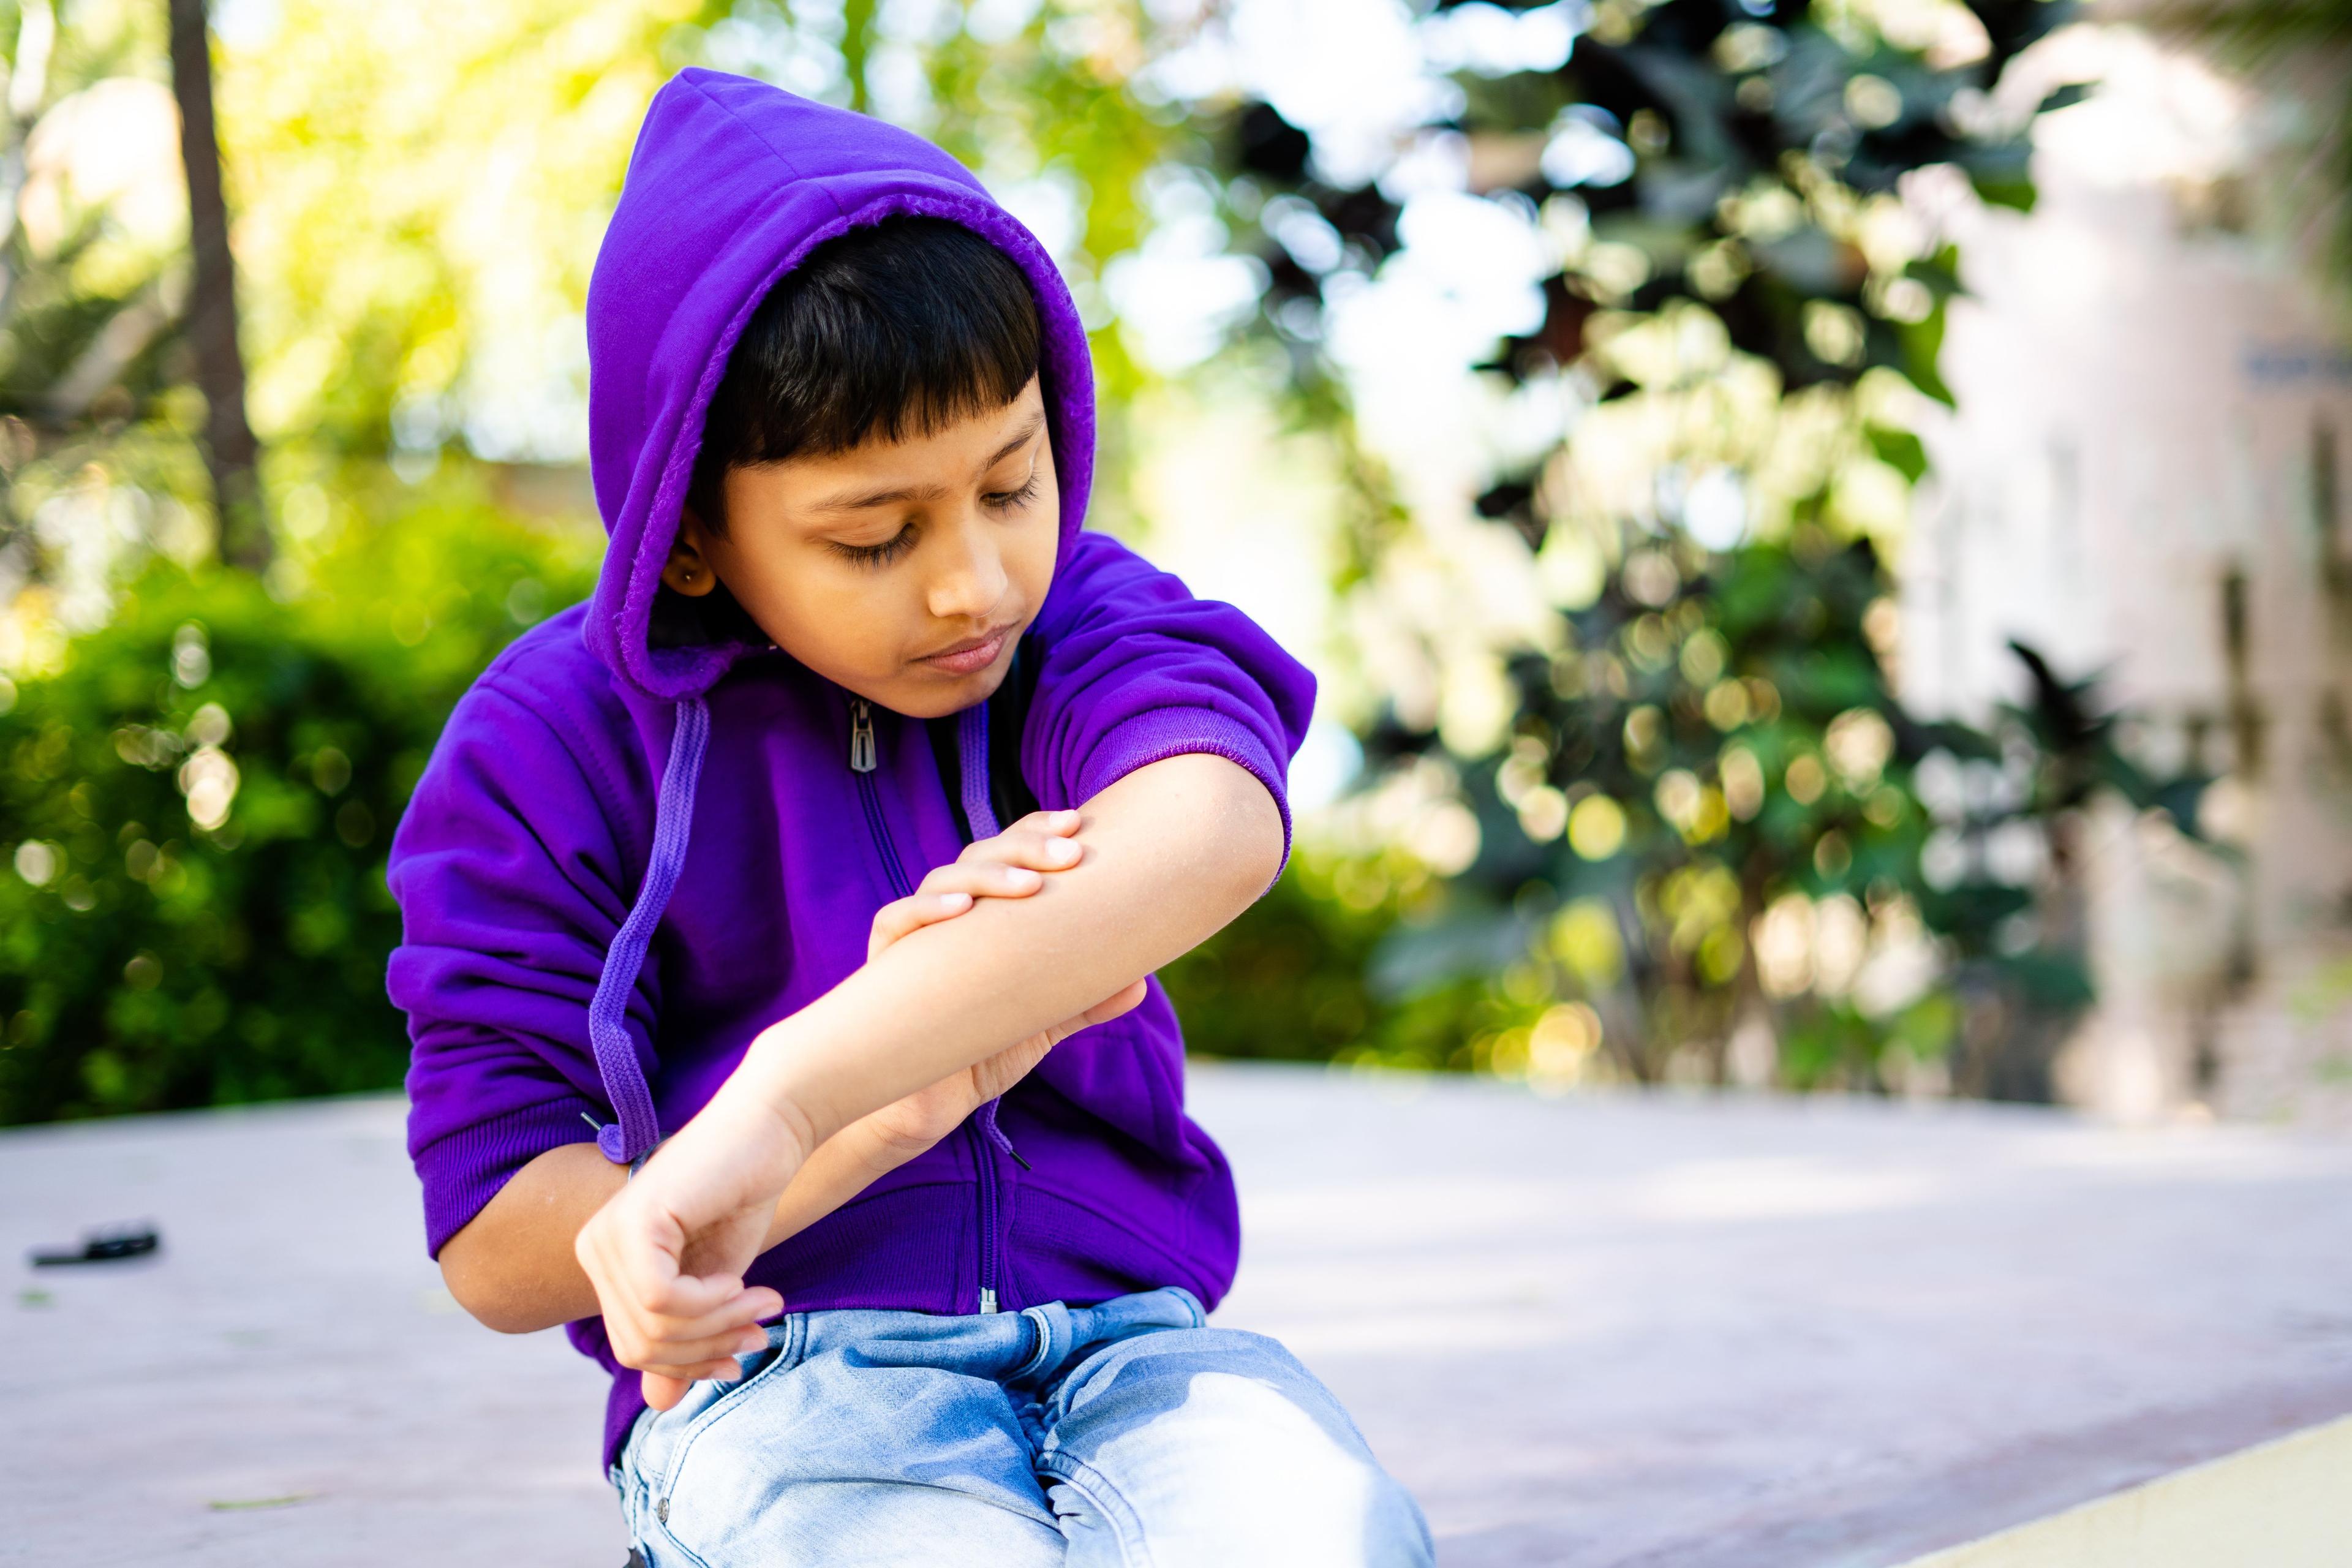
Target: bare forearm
513	1267
1174	851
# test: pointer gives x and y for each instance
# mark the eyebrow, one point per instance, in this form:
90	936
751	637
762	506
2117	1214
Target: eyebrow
859	500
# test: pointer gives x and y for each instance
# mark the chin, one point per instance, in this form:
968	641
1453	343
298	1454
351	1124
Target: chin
929	696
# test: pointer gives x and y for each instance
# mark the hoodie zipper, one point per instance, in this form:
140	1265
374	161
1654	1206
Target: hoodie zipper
864	756
862	759
984	1158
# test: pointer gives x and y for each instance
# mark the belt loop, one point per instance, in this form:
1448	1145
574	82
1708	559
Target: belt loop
1043	1355
1192	1304
792	1344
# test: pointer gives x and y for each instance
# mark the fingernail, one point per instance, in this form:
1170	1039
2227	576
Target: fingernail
1063	850
1021	877
954	900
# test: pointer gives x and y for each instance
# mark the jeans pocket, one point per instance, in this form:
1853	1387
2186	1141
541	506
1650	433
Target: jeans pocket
660	1448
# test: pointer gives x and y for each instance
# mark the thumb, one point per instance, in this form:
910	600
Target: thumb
663	1393
1123	1001
1102	1012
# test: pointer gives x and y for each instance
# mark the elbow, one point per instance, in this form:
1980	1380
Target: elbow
490	1301
1203	835
1251	838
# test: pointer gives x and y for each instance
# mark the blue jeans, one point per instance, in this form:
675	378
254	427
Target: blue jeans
1124	1433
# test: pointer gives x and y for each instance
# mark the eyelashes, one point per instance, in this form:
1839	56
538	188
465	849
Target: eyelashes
891	549
1011	501
880	555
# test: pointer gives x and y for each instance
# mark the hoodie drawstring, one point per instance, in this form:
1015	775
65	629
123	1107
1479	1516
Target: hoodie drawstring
971	757
638	1129
980	815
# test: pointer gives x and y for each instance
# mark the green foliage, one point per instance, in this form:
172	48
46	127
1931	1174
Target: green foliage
418	204
197	807
1705	750
1716	735
1706	808
1836	1045
1294	979
1755	150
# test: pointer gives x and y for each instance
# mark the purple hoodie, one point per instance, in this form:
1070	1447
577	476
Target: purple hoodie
624	862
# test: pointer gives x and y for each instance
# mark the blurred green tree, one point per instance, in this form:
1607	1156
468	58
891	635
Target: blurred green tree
1695	801
1683	803
198	802
199	772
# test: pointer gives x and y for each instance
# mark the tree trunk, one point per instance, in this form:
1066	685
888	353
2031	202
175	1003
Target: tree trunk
857	28
231	454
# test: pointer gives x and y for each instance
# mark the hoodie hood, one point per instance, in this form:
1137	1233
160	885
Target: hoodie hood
732	184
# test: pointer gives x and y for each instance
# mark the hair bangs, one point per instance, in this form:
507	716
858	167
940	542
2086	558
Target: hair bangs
889	332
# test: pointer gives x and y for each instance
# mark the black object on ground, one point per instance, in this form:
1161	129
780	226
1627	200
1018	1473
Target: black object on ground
104	1247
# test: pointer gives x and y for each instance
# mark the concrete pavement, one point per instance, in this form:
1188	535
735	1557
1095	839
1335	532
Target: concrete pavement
1613	1329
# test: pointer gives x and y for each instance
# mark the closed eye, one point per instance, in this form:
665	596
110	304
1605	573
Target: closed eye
880	555
1011	501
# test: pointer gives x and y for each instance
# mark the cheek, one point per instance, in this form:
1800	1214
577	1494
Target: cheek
836	622
1030	557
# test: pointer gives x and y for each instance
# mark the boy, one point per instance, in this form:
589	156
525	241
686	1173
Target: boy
666	874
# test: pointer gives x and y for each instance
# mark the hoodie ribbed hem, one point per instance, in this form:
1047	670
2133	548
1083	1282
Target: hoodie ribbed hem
910	1250
1164	733
464	1171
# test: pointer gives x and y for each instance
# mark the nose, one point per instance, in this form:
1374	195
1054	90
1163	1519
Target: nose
971	579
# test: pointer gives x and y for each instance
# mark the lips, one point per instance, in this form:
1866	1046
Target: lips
969	656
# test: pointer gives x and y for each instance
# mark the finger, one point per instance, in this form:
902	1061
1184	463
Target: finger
1045	851
686	1297
1011	1065
643	1245
928	907
662	1391
670	1353
634	1248
722	1368
1020	1058
1102	1012
727	1371
990	878
1125	1000
737	1316
1061	824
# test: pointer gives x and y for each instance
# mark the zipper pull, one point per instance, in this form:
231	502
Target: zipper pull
987	1300
861	736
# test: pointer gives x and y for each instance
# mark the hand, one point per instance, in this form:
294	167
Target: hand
667	1253
1012	865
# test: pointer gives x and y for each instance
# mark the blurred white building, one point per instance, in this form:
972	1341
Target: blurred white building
2146	477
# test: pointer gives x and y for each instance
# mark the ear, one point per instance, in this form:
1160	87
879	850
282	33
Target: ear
689	570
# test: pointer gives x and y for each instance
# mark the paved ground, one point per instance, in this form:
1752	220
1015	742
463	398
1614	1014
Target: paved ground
1608	1332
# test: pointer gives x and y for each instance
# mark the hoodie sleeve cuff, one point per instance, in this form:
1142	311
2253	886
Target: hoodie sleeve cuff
463	1171
1162	733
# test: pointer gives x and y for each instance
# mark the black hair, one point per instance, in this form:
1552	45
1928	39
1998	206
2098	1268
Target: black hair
899	329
